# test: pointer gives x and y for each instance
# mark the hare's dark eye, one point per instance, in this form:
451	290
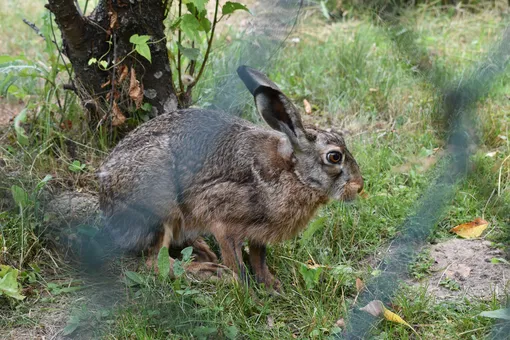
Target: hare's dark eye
334	157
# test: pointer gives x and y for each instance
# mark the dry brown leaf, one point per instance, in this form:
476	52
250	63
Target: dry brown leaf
105	84
123	70
364	194
270	322
377	309
187	79
118	117
113	19
359	285
422	164
471	229
373	89
135	90
308	107
340	323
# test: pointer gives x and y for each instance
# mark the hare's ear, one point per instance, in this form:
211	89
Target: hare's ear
276	109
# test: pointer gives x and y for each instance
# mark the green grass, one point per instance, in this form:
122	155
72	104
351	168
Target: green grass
357	81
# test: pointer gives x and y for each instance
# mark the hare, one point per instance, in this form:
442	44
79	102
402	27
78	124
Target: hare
195	172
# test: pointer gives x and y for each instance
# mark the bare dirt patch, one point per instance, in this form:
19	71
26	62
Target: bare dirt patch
44	321
465	268
8	111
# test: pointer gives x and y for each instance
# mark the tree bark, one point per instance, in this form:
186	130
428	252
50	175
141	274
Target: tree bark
116	93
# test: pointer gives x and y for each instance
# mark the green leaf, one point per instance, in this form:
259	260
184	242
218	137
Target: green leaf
178	268
205	24
134	277
186	254
144	51
496	260
231	332
139	39
103	64
230	7
76	166
20	132
71	326
190	53
203	332
92	61
4	269
43	182
312	228
199	4
190	26
310	275
9	285
147	107
163	262
20	196
497	314
325	10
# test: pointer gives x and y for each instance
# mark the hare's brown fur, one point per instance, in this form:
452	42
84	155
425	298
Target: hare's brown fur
194	172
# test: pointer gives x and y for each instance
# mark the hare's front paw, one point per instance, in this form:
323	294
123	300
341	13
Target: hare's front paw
270	281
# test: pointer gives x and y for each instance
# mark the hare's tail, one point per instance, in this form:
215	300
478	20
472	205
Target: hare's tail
133	230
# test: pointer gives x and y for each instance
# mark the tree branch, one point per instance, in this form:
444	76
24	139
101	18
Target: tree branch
209	45
71	23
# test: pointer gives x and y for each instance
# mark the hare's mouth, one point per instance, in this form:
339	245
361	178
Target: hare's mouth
349	197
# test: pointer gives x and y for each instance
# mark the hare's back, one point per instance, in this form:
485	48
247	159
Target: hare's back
163	153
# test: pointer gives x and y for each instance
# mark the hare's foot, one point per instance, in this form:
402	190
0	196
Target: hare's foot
260	268
209	271
202	251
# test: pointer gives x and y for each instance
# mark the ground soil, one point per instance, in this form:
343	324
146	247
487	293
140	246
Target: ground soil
469	263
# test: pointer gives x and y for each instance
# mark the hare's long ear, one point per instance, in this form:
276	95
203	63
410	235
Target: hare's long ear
276	109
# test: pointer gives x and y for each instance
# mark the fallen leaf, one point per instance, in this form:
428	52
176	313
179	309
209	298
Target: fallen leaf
308	107
340	323
105	84
364	194
118	117
123	70
377	309
270	322
471	229
359	284
187	79
113	19
66	125
373	89
497	314
135	89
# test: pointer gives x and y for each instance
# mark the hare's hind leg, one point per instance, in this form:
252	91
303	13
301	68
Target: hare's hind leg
202	251
199	270
164	239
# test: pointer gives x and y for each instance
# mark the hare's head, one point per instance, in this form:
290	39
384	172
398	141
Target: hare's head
322	160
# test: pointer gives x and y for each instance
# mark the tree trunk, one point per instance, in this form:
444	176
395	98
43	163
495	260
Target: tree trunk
115	86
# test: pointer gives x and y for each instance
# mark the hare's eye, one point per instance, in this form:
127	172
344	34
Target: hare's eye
334	157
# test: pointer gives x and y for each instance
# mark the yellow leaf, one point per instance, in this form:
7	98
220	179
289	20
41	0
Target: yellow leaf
471	229
308	107
359	284
376	308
